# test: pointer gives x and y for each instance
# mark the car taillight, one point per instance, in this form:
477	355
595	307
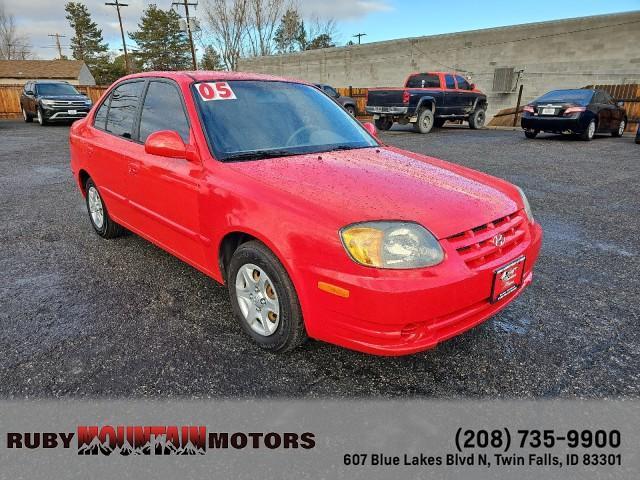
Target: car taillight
572	110
528	108
405	97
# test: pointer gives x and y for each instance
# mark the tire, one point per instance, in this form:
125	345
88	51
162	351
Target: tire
425	121
589	132
439	122
529	133
41	120
28	118
383	123
276	332
107	228
351	109
477	119
620	131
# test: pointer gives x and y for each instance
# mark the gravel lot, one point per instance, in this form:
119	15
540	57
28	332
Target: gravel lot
84	317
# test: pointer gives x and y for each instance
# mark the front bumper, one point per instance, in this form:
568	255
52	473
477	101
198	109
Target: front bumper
398	314
553	124
62	114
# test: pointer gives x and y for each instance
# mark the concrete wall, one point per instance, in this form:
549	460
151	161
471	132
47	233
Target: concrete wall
559	54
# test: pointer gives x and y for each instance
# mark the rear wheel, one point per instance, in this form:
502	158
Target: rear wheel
425	121
589	132
264	298
100	219
383	123
620	131
477	118
351	109
27	117
531	133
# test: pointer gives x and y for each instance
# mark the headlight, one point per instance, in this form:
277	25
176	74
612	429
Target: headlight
47	102
527	207
391	245
88	103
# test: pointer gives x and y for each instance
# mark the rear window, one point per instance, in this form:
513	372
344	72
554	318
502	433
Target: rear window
423	80
123	109
579	97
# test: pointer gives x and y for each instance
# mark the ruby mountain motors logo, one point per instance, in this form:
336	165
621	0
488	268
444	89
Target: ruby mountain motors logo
157	440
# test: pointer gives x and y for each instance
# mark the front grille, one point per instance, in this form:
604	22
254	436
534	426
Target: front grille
477	246
69	103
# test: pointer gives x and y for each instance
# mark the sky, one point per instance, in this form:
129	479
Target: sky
379	19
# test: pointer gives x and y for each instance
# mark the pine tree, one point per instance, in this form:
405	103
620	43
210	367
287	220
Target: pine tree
162	45
211	59
291	34
87	43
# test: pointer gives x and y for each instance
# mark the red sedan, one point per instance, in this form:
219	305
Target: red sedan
317	228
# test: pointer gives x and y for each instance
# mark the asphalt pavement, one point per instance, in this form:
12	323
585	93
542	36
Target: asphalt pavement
85	317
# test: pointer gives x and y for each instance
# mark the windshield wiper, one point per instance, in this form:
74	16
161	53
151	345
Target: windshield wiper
347	147
258	154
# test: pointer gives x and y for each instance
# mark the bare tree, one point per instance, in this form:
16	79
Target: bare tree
318	27
264	16
13	45
228	21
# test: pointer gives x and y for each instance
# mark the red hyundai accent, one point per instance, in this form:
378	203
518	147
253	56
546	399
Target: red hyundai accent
317	228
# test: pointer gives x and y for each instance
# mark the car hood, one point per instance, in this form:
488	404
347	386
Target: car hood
388	184
63	97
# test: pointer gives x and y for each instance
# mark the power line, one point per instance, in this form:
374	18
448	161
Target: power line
186	5
359	36
117	4
58	46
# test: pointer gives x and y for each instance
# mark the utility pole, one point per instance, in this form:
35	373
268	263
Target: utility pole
186	5
58	36
117	4
359	36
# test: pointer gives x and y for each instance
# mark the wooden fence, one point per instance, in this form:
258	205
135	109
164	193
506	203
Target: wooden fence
10	98
360	96
628	93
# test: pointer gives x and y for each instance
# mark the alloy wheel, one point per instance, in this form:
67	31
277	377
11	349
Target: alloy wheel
96	209
257	299
591	129
40	119
621	128
24	114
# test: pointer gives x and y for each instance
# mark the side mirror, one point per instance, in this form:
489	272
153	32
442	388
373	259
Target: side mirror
371	128
29	92
166	143
620	103
472	86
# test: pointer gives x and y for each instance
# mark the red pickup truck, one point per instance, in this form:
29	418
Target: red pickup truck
427	100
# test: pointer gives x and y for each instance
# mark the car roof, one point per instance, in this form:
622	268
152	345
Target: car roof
210	75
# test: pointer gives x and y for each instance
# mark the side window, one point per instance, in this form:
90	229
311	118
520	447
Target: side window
100	119
598	98
608	99
124	106
423	80
449	81
331	91
163	110
462	83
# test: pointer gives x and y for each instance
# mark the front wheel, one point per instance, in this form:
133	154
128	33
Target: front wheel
531	133
477	119
425	121
41	119
264	299
620	131
383	123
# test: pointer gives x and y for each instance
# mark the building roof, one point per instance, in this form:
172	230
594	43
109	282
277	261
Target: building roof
33	69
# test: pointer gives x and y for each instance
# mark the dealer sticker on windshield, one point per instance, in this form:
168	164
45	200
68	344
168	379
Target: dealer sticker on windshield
215	91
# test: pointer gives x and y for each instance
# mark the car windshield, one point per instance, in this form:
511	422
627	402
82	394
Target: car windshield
579	97
248	120
56	89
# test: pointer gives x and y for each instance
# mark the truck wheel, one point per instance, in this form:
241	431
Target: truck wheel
477	118
425	121
264	298
439	122
383	123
